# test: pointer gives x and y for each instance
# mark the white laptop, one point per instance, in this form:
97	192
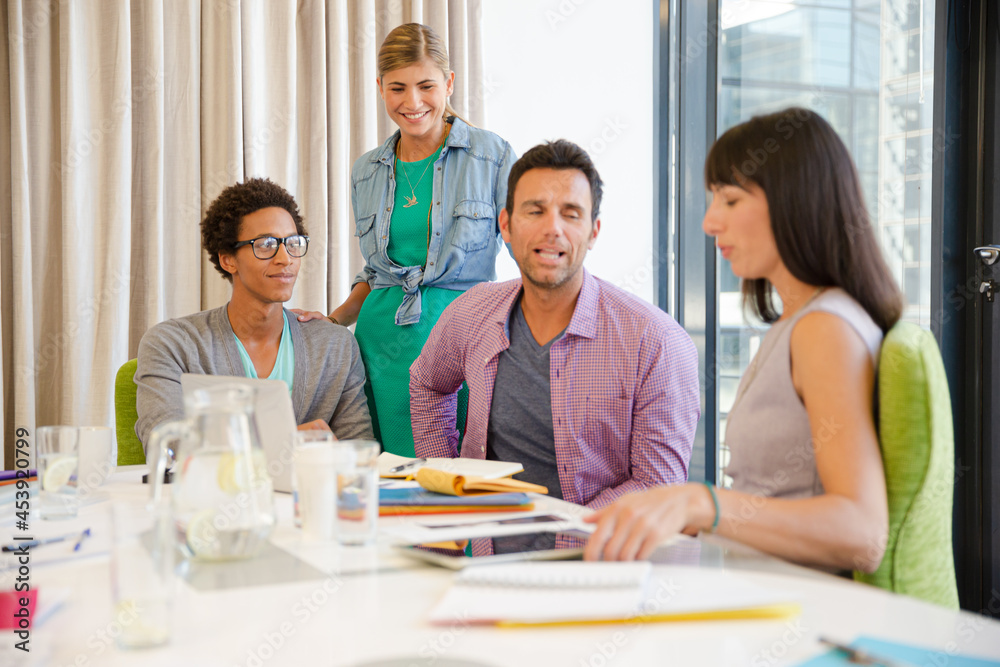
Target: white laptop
275	419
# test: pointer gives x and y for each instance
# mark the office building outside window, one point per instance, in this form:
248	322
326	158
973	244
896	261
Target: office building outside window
867	67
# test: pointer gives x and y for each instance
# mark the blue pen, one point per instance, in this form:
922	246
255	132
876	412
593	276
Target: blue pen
17	546
85	534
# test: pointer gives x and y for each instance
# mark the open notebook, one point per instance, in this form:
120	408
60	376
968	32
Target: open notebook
588	592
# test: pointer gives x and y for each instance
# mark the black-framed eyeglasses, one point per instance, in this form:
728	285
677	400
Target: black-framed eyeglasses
266	247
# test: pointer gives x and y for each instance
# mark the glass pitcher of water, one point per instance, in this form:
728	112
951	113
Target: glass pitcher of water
222	497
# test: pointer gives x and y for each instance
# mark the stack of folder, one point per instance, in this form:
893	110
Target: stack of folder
9	487
440	492
417	500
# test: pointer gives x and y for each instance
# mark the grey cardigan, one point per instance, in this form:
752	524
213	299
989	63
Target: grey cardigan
329	379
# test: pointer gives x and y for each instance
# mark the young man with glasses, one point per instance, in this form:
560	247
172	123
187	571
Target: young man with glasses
255	237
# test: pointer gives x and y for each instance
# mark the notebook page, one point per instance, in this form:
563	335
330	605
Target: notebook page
559	575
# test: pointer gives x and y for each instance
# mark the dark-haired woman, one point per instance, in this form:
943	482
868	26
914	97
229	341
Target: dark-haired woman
808	483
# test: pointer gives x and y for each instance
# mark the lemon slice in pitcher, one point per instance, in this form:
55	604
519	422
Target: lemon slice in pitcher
58	473
237	472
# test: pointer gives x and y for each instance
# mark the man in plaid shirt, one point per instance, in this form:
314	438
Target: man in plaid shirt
594	391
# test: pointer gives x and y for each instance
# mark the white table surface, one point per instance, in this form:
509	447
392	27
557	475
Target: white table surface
373	607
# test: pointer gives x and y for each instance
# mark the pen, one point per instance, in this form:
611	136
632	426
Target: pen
85	534
407	465
6	475
857	656
48	540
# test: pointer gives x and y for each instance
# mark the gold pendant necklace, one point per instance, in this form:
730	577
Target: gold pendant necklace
412	199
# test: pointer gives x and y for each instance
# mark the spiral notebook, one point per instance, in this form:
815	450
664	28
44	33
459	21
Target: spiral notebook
547	593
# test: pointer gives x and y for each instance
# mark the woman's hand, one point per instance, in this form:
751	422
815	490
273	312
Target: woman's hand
633	526
315	425
306	315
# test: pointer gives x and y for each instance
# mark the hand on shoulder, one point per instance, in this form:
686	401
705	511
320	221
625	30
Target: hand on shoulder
309	315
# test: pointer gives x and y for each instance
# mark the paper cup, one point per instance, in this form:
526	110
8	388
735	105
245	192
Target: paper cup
96	452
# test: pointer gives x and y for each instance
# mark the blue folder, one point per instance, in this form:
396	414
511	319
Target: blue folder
904	653
420	497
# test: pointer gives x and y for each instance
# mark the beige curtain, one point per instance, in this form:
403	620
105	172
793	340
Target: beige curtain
121	120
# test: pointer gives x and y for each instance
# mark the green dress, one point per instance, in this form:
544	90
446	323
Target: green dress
387	349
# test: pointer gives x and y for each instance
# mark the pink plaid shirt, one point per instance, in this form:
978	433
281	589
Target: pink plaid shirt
624	382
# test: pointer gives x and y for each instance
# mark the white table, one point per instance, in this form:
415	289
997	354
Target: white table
373	606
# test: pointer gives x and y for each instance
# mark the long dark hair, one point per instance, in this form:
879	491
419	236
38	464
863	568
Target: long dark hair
818	216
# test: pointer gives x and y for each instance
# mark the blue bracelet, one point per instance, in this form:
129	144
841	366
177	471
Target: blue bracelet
715	501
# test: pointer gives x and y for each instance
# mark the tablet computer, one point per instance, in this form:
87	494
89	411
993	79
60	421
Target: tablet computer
515	538
526	546
443	528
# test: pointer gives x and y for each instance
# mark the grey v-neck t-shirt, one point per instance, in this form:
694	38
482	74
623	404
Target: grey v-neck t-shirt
520	427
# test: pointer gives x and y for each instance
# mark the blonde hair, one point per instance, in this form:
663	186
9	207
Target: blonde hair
409	44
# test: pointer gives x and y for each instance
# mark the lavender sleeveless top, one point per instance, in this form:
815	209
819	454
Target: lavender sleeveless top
768	431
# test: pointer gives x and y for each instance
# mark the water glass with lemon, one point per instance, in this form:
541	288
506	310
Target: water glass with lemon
57	470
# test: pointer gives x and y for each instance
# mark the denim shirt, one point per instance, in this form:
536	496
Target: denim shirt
470	189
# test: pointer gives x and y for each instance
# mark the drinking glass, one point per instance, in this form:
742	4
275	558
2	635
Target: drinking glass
142	575
96	456
58	464
357	491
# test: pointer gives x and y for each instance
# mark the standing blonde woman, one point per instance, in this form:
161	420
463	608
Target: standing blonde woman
425	204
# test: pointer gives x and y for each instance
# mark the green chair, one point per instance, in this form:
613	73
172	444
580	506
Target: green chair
918	452
130	449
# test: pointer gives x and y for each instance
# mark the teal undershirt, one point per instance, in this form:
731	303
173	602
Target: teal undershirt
388	350
409	233
284	364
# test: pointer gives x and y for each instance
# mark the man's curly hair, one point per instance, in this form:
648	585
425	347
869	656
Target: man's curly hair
220	230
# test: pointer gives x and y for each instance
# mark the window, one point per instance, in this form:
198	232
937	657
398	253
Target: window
867	67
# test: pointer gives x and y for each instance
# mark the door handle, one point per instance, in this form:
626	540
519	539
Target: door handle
988	254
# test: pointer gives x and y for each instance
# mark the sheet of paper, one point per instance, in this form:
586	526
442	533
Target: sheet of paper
472	467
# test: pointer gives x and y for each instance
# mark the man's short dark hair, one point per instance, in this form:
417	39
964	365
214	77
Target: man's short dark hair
220	230
558	154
